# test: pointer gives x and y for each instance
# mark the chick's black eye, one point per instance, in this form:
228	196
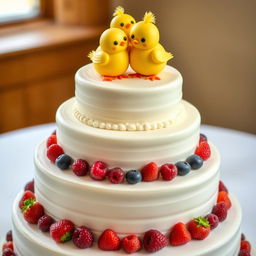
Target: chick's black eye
143	40
125	38
122	24
132	22
132	36
115	43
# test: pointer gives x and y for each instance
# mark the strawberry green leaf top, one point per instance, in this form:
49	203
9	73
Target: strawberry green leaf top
27	204
202	222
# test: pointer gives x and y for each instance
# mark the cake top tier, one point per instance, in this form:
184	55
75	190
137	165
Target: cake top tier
128	104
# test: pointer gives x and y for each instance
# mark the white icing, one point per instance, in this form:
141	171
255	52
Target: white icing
125	207
130	149
224	240
129	100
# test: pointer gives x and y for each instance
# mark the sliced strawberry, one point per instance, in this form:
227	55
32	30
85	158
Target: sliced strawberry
199	228
150	172
27	195
179	234
203	150
32	211
109	241
223	197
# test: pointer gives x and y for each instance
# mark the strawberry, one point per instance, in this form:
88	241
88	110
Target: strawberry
222	187
51	140
109	241
203	150
245	245
32	211
179	234
199	228
154	240
150	172
223	197
27	195
54	151
131	244
62	231
8	245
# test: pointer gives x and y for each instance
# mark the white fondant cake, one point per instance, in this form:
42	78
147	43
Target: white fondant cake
127	123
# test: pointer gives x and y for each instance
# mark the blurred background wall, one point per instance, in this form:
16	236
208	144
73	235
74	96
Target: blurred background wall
214	47
213	41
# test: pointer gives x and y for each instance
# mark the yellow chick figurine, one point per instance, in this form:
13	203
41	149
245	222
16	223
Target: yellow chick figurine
111	58
122	20
147	57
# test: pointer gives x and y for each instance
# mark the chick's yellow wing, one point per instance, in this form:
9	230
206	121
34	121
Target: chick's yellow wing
99	57
160	56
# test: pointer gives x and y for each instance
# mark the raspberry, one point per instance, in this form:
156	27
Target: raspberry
62	230
221	210
116	175
99	170
168	171
45	222
179	234
80	167
150	172
222	187
8	252
8	245
203	150
131	244
27	195
109	241
154	240
51	140
202	138
32	211
199	228
54	151
245	245
8	236
223	197
213	220
82	237
244	253
29	186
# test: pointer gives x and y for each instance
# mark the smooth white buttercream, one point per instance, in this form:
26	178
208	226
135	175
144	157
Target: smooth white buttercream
128	149
222	241
123	207
130	100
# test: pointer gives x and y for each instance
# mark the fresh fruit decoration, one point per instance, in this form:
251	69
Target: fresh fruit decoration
131	244
30	186
45	222
148	173
62	231
109	241
179	234
199	228
154	240
82	237
221	211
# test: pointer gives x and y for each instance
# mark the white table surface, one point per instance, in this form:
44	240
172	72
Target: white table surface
238	168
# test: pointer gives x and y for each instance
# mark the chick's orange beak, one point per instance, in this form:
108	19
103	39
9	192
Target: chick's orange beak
127	25
135	41
122	43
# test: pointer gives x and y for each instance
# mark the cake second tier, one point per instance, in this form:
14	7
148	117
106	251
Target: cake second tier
125	208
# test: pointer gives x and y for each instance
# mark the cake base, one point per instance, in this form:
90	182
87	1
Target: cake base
224	240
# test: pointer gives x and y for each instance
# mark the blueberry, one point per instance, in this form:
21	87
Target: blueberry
133	177
183	168
195	162
64	161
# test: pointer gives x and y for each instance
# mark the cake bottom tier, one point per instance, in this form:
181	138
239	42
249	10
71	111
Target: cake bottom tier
223	241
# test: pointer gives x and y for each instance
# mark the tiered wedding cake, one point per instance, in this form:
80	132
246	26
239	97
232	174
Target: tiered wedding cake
141	127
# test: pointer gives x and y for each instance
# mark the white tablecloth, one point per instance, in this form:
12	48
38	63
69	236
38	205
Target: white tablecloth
238	168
